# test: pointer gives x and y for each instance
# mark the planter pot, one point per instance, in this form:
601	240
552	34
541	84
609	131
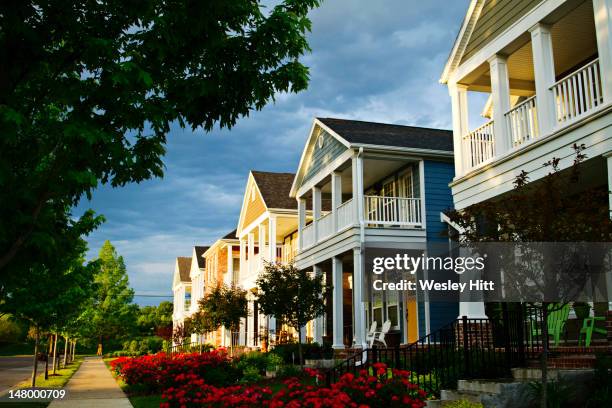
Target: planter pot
270	374
320	363
582	310
327	363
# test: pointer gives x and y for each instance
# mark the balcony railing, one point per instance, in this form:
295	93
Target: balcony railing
346	214
479	145
578	93
325	226
522	122
392	210
308	237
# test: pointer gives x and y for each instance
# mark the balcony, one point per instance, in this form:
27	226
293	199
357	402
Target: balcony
378	211
573	97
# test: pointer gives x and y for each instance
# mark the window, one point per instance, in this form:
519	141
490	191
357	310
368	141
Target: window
321	140
252	194
406	185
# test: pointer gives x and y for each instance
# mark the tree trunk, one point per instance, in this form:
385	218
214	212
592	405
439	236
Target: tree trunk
300	347
74	349
55	355
49	351
65	351
544	357
35	368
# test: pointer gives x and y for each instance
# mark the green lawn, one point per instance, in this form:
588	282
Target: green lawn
54	381
59	379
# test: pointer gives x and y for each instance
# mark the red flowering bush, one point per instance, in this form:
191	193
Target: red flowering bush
363	390
158	372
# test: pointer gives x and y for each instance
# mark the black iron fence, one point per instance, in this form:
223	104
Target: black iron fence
465	348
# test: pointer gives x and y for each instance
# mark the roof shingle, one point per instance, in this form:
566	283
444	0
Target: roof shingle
275	189
199	250
383	134
184	265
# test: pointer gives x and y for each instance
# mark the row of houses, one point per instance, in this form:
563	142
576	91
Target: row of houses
547	68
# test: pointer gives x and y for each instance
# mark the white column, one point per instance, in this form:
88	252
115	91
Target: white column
271	331
316	211
603	26
301	221
262	245
608	157
272	238
357	169
459	105
359	319
544	70
338	318
500	94
250	327
318	325
336	196
229	276
243	252
251	248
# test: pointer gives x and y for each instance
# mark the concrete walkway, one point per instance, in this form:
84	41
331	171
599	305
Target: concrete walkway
93	386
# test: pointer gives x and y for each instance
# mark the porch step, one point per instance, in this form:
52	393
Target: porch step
570	361
456	395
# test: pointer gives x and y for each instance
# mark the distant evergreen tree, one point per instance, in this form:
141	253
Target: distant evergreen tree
111	313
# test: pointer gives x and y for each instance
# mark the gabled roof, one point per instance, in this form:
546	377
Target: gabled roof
199	251
461	42
275	188
357	132
184	265
230	235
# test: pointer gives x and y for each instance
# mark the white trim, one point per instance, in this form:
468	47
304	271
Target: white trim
370	148
445	219
519	27
465	33
324	172
422	191
308	148
254	224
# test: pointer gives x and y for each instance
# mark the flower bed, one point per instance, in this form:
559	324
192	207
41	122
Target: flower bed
158	372
363	390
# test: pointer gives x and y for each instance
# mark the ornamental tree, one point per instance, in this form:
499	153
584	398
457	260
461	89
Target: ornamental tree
291	295
89	90
223	305
561	207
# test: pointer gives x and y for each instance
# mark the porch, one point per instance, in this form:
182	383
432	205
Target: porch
369	191
547	80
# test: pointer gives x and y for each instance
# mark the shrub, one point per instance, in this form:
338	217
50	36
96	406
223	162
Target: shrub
155	373
250	375
350	391
274	361
312	351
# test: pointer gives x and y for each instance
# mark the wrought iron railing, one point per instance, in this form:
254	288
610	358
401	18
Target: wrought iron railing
463	349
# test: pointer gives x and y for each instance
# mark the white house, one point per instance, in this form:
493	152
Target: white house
547	68
181	289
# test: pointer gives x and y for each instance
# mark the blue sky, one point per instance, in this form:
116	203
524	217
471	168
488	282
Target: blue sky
371	60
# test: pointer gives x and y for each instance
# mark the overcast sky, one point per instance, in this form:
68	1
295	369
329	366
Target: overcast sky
371	60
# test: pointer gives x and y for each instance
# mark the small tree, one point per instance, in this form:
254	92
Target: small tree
556	208
224	306
200	323
291	295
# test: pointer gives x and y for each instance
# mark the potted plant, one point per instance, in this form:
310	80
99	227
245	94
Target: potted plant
274	361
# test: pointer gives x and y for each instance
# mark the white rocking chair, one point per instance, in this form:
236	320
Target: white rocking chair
371	333
381	335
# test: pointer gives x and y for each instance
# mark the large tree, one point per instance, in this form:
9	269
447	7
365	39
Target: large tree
151	318
291	295
562	207
89	90
111	313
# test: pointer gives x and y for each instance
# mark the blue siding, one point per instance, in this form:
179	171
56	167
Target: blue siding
438	198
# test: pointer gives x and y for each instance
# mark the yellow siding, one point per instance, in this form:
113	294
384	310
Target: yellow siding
254	208
495	17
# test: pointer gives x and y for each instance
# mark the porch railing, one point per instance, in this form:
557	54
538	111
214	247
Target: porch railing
578	93
465	348
325	226
479	145
522	122
399	211
346	214
308	237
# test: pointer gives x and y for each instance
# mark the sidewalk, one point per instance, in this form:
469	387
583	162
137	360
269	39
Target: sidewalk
93	386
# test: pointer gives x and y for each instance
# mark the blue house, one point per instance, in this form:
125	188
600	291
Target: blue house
362	188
